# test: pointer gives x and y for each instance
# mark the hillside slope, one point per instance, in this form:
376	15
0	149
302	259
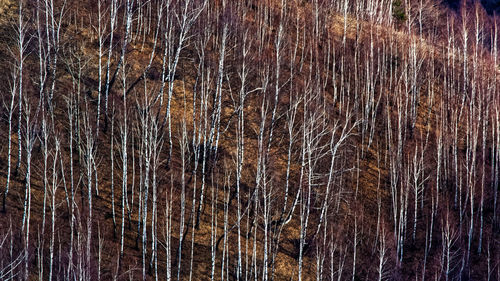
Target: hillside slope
265	140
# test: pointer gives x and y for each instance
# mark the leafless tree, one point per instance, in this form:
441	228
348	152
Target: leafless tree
9	145
29	142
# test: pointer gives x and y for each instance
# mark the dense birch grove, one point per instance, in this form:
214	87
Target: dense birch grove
249	140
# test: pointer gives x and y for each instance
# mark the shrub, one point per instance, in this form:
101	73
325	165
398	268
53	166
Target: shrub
398	11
